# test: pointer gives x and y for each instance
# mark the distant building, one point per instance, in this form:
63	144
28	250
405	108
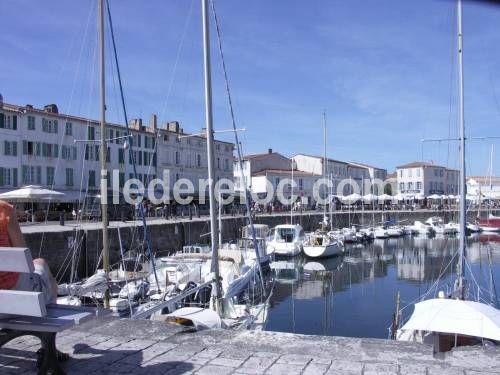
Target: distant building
374	173
38	147
488	187
257	163
271	168
426	178
342	172
336	170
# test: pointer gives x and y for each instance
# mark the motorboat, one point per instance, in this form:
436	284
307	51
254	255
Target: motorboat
286	240
423	229
439	227
380	232
321	245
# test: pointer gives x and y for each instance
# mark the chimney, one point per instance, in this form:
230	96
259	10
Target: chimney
153	122
51	108
269	150
173	126
135	123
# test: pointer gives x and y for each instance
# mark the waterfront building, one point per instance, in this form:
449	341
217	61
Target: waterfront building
62	152
271	168
374	174
335	170
345	173
488	187
426	178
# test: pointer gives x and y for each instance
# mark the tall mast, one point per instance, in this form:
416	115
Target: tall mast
210	152
461	259
291	197
324	162
104	171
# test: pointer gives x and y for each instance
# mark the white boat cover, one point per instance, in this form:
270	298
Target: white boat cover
201	318
455	316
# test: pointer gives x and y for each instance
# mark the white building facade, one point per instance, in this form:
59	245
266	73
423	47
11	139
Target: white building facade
62	152
424	179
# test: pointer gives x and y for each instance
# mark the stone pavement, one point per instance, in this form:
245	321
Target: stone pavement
114	346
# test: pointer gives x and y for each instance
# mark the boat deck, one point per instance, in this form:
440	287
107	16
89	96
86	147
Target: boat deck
117	346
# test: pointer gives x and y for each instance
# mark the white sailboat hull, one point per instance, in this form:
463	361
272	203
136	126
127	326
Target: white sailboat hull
323	251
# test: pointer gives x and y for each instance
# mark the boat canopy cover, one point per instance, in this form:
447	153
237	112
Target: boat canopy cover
201	318
455	316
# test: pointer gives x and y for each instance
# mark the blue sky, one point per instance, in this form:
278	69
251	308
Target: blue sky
384	71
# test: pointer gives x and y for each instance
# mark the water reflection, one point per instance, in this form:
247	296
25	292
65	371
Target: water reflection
354	295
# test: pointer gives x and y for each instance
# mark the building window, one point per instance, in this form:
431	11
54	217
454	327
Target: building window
5	177
121	156
91	133
410	185
50	176
409	172
8	122
441	173
68	130
165	137
226	164
8	176
28	148
301	184
31	122
49	126
401	173
91	178
419	185
401	186
418	172
218	163
177	157
10	148
198	160
69	176
39	175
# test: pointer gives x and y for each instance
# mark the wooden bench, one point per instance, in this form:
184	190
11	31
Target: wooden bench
27	314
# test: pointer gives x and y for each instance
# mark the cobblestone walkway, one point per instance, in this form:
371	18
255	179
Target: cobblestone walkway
136	347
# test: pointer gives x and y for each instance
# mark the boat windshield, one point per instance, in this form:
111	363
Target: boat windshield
285	234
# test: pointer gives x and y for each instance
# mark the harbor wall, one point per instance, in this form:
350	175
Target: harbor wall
57	245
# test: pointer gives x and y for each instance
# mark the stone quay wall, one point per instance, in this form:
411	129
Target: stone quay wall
56	243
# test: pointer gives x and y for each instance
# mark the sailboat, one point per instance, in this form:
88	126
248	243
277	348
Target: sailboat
235	280
450	321
320	244
107	283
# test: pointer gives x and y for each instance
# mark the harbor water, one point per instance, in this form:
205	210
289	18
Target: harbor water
355	294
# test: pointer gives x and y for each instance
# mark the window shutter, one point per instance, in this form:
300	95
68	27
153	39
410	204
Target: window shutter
2	120
14	122
14	177
14	148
